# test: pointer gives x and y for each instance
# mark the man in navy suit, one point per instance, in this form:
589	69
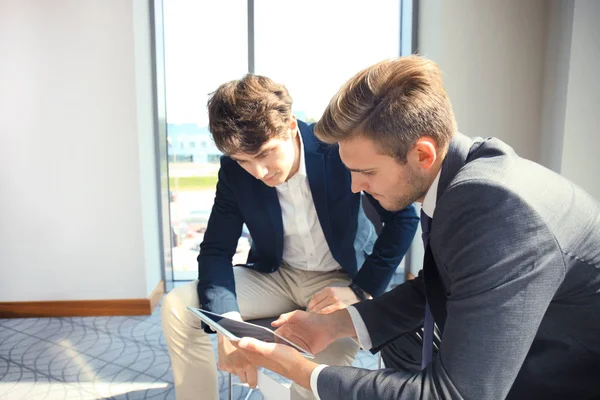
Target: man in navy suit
312	245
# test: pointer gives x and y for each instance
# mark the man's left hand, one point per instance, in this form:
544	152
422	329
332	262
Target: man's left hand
332	299
279	358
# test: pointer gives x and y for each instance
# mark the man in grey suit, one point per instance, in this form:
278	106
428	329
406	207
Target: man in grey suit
511	273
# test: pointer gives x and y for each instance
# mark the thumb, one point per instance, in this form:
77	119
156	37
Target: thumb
283	318
253	345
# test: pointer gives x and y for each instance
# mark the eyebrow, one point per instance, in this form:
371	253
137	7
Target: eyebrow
362	171
358	169
263	151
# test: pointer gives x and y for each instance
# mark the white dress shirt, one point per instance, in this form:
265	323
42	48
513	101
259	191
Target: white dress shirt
362	334
304	244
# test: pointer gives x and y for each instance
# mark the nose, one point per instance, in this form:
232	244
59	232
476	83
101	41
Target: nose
359	183
259	171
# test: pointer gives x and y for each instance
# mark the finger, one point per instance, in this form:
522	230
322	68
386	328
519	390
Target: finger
298	341
242	376
318	297
283	318
252	377
327	301
226	368
332	308
255	346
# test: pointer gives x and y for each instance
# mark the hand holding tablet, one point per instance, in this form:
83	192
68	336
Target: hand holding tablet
235	330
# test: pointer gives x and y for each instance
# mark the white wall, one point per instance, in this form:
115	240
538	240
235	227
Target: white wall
580	152
147	145
76	151
525	72
556	78
492	55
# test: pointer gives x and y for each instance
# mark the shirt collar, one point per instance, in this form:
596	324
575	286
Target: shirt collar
300	175
431	197
302	167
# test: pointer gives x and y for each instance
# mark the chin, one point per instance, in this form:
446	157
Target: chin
395	206
385	204
275	182
390	207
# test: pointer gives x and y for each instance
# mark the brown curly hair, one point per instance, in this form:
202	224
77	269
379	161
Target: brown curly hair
244	114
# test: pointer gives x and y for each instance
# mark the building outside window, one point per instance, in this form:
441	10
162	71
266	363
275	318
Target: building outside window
312	47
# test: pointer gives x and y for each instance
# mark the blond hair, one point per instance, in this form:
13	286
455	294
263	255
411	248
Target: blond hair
393	103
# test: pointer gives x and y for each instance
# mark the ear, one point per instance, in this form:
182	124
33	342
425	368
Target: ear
424	153
293	125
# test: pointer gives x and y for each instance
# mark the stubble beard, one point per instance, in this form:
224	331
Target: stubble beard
415	188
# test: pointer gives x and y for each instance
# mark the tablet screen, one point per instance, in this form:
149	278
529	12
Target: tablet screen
242	329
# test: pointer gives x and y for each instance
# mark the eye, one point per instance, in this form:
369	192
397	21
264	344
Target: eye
241	161
263	155
368	173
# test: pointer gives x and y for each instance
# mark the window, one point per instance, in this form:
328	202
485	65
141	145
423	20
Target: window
312	47
205	45
324	44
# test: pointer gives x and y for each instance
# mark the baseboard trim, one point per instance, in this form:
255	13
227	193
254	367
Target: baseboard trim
83	308
156	295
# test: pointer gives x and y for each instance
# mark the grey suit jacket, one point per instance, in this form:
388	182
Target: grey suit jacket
512	275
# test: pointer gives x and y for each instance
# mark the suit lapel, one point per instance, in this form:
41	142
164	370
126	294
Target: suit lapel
316	173
315	167
458	152
456	158
270	205
434	289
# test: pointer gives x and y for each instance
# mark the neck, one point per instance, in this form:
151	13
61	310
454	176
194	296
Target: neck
433	172
296	165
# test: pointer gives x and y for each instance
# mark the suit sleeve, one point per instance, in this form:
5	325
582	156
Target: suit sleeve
390	247
394	313
504	267
216	284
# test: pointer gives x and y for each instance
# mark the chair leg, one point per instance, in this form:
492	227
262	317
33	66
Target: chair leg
230	387
249	394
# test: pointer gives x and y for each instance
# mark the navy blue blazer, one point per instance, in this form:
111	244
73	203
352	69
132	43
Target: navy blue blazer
370	261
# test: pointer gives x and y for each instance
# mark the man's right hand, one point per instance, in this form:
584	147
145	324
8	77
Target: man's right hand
233	361
314	332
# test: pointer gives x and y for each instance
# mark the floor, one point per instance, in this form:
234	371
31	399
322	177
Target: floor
94	358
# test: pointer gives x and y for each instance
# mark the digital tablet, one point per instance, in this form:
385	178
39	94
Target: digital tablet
235	330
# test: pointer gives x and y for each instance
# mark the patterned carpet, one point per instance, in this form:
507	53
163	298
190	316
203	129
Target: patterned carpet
94	358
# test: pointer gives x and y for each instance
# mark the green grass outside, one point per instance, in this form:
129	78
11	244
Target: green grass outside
193	183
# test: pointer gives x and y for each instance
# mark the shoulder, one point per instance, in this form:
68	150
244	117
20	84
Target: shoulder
492	194
229	168
493	185
312	144
483	218
499	183
484	233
